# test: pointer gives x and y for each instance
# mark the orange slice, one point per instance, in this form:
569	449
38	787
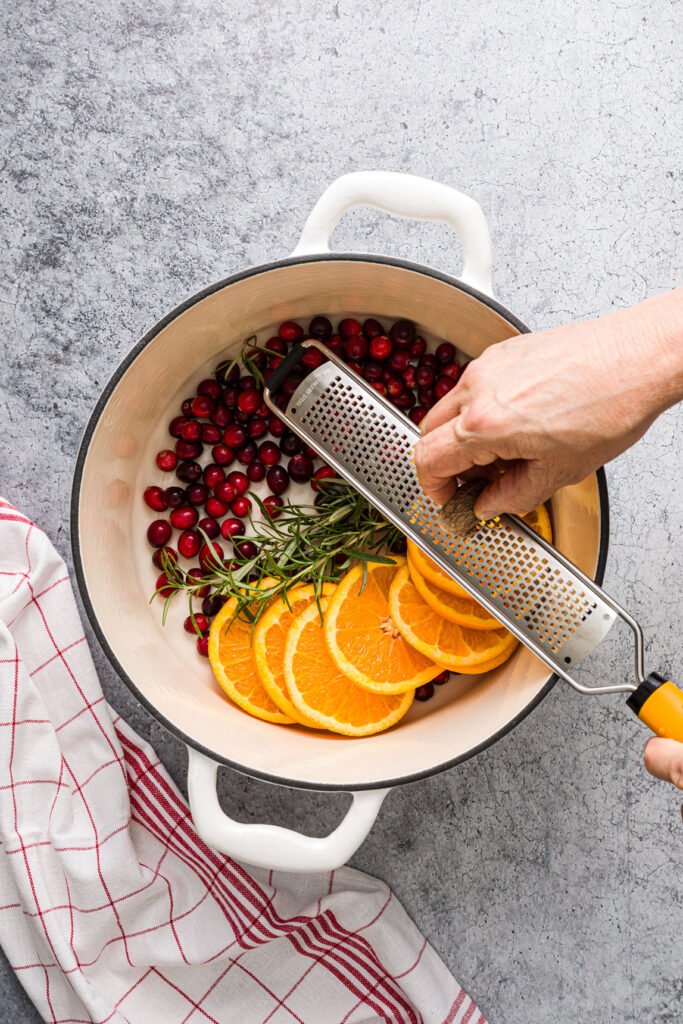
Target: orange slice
539	520
464	611
324	694
268	650
362	639
230	655
452	646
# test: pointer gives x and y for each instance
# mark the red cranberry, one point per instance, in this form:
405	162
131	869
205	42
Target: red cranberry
223	455
232	527
406	400
273	505
191	430
249	400
203	646
257	357
186	407
324	473
229	397
189	543
221	416
399	359
203	406
162	587
387	374
226	372
372	370
395	386
290	331
402	333
274	362
428	359
356	367
380	347
184	518
335	344
175	426
424	692
443	386
320	328
257	428
452	370
312	358
154	498
307	450
213	475
409	376
263	412
256	472
247	453
242	417
212	605
349	327
239	482
290	384
196	624
215	508
209	387
424	376
289	445
300	468
372	329
379	387
426	397
241	506
277	479
235	435
198	574
418	348
269	453
159	533
209	527
188	472
170	554
442	678
276	426
174	497
247	380
445	353
211	434
224	491
166	460
417	414
187	450
277	345
246	549
356	347
209	556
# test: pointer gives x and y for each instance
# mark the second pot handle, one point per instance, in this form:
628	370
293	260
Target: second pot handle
269	846
404	195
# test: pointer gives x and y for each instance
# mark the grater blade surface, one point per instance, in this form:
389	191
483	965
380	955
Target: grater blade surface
545	601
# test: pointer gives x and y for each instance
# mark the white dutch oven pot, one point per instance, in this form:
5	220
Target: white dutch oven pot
116	462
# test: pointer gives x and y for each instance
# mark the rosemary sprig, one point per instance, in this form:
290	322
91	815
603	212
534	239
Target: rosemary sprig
306	543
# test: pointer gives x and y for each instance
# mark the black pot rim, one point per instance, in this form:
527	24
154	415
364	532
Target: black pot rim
121	369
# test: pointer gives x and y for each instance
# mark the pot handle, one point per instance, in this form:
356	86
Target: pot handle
404	195
269	846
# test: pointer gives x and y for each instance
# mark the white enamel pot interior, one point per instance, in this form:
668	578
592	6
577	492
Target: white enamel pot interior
109	522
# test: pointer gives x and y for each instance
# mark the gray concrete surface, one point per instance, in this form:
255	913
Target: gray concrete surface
149	150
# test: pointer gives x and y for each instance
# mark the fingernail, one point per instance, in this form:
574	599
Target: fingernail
485	514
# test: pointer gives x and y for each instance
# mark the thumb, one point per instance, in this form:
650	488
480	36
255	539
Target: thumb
523	487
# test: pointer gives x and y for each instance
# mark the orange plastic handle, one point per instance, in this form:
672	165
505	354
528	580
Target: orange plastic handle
662	711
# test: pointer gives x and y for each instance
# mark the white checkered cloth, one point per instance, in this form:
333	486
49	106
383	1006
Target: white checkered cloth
111	906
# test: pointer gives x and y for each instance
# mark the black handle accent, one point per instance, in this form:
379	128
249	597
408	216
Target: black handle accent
645	690
277	377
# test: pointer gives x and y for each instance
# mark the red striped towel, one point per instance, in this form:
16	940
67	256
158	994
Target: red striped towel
111	906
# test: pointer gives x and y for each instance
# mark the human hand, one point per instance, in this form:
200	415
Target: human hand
550	407
664	760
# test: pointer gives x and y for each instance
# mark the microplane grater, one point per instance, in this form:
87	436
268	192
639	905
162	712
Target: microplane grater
531	588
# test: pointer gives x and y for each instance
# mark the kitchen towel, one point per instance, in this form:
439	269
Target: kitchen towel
112	908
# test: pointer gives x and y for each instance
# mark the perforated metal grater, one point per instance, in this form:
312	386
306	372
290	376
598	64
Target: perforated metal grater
522	580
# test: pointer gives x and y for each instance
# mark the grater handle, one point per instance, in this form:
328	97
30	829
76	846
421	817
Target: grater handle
404	195
659	704
283	370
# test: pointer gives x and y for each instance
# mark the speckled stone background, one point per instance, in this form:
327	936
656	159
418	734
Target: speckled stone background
148	150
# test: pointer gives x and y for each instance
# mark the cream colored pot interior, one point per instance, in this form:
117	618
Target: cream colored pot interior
161	661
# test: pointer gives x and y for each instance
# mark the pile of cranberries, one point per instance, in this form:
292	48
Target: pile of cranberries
225	440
